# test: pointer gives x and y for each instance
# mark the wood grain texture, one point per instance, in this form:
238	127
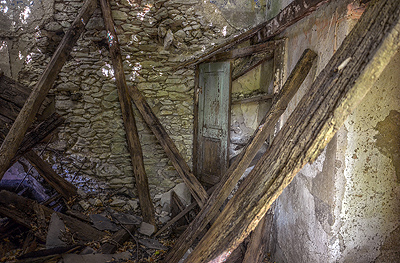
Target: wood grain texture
134	147
332	97
236	170
28	112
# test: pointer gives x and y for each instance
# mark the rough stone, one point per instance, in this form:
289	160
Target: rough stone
147	229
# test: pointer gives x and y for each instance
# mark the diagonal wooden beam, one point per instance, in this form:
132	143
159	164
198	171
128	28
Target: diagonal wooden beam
267	47
26	116
197	190
295	11
236	170
343	83
134	146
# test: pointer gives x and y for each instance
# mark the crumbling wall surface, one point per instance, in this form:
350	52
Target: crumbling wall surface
344	207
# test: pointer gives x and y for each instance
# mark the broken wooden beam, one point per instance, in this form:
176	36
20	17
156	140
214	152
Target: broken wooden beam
134	146
195	187
236	170
62	186
336	92
38	134
267	48
26	116
289	15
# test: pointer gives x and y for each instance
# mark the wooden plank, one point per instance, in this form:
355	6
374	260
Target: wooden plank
342	84
267	48
62	186
134	147
248	64
36	217
181	214
255	251
196	189
177	201
26	116
236	170
257	98
295	11
117	240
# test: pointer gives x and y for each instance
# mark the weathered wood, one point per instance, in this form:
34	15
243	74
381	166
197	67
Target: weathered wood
31	215
262	97
236	170
181	214
134	146
16	93
255	251
177	201
40	132
196	189
118	239
62	186
292	13
31	106
267	48
341	85
248	64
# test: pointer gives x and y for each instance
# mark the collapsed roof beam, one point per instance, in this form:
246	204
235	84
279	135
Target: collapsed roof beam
27	115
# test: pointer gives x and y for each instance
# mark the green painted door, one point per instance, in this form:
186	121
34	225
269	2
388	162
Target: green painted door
213	121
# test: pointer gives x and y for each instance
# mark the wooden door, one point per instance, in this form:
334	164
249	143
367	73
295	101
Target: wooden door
213	121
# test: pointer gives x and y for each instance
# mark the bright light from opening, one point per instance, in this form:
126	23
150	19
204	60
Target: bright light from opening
24	15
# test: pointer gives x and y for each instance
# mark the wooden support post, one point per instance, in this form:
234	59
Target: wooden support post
134	146
25	118
335	93
62	186
197	190
236	170
295	11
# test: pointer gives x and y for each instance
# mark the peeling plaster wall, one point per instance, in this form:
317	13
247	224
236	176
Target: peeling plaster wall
345	206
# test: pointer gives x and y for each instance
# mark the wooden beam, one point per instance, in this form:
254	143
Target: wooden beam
292	13
38	134
342	84
62	186
267	47
197	190
236	170
255	251
26	116
134	146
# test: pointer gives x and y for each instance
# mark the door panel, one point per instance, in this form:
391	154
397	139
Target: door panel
213	121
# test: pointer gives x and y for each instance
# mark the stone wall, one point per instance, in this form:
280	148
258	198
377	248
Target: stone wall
155	37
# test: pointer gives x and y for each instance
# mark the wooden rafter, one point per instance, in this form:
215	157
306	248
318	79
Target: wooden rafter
134	146
343	83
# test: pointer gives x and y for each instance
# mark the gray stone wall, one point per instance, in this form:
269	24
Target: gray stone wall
155	37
